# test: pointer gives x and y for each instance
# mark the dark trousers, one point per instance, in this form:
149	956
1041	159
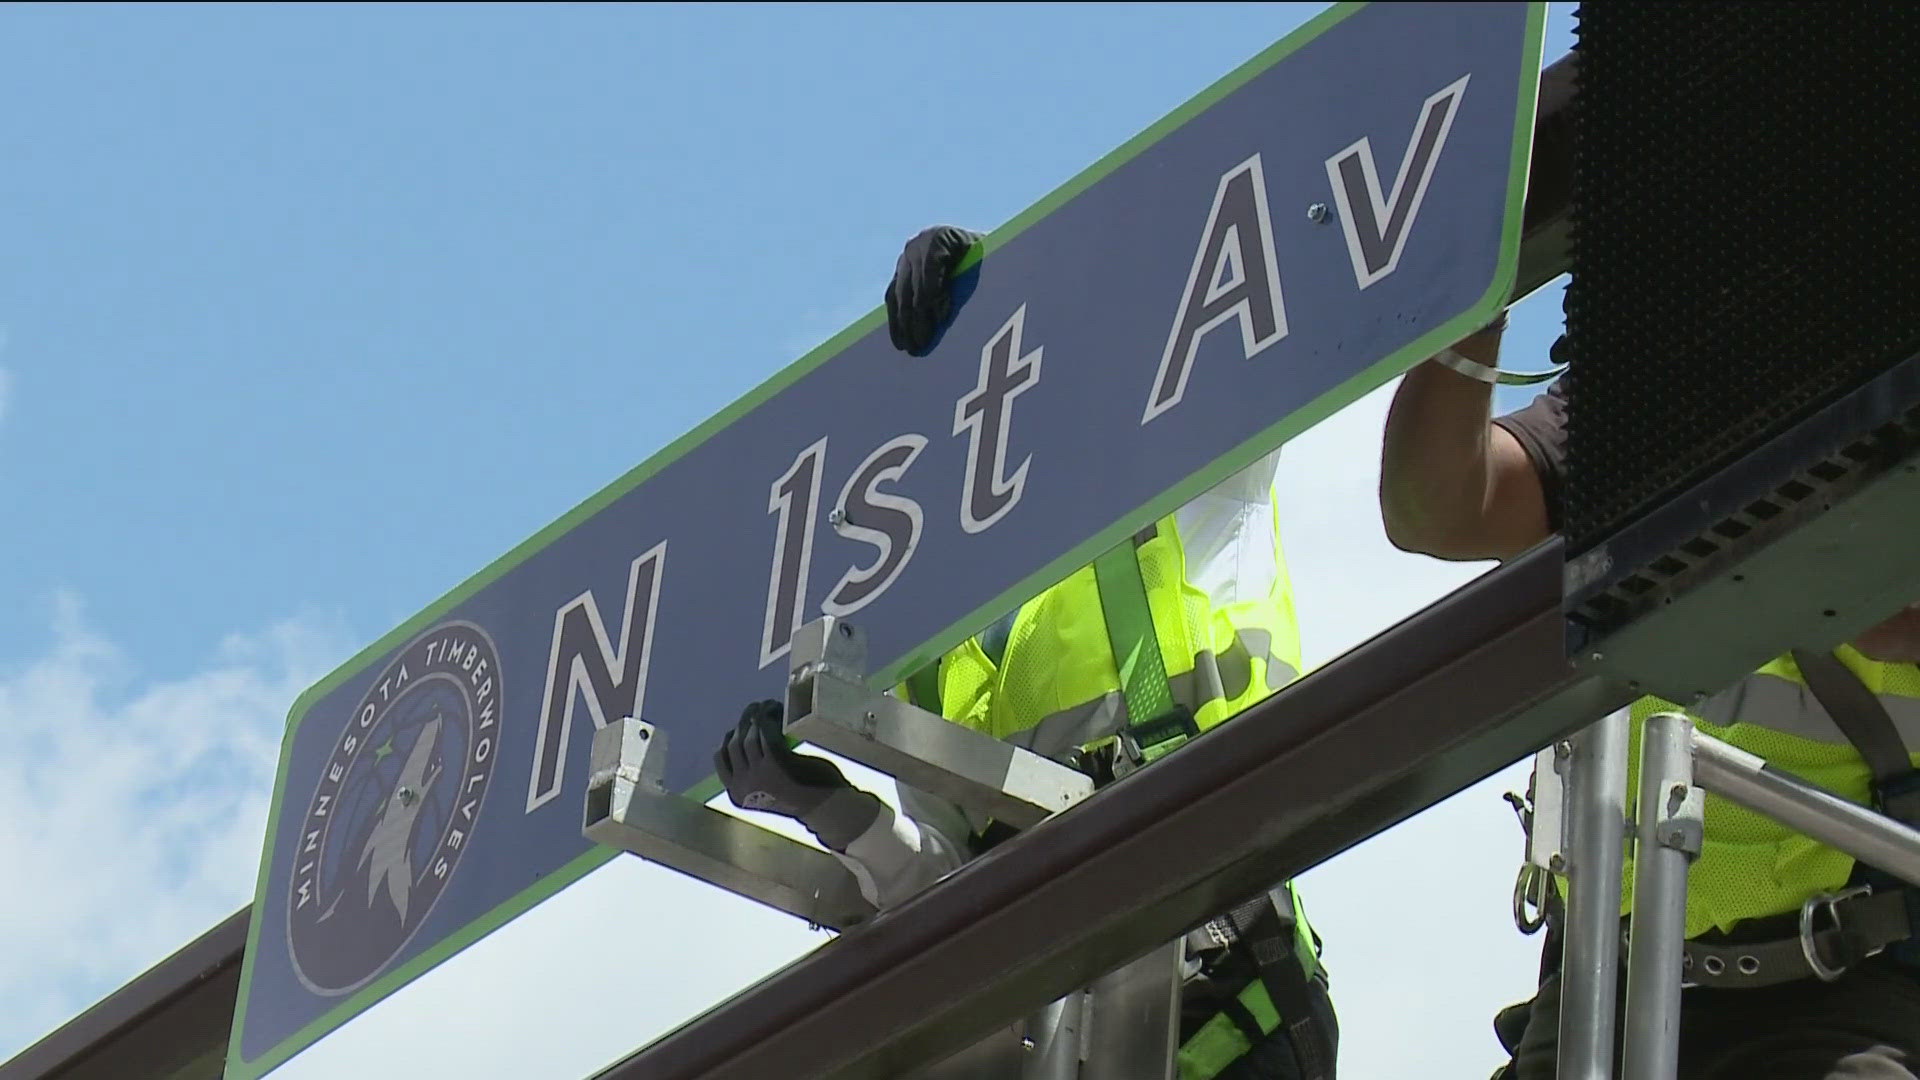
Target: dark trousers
1272	1057
1863	1026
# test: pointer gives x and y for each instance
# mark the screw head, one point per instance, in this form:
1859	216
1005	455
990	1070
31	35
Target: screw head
407	796
1676	838
1557	863
1026	1042
1317	212
837	517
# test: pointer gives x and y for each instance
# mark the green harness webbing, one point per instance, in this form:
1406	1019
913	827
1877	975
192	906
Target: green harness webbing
923	688
1136	648
1279	995
1157	726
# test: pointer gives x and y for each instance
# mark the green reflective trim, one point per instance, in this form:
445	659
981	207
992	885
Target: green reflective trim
1136	650
1302	934
1219	1042
1255	998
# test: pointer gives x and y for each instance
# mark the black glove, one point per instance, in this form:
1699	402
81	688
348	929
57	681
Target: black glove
918	297
762	772
1561	351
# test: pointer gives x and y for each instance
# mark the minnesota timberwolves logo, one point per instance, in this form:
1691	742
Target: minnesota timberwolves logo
395	808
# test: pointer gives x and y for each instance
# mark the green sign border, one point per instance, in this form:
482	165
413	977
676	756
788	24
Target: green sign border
1497	294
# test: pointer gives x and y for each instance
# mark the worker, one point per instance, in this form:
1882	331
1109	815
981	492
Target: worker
1211	581
1458	483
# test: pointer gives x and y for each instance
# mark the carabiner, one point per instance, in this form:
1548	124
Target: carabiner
1530	891
1809	948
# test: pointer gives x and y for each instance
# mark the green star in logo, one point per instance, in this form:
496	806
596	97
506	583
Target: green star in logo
380	752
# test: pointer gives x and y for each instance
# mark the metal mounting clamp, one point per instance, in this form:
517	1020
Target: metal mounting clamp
628	807
830	705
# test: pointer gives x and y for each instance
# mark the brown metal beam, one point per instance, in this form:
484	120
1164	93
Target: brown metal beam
170	1022
1442	700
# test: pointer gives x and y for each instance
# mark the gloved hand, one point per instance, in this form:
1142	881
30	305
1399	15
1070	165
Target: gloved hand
761	772
1561	351
918	297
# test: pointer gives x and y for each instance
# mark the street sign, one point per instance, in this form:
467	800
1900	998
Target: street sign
1341	206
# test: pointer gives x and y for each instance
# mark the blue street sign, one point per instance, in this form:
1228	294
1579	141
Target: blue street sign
1340	207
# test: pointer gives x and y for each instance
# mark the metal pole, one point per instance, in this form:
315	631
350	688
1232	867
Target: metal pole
1053	1035
1590	957
1667	838
1874	839
1132	1018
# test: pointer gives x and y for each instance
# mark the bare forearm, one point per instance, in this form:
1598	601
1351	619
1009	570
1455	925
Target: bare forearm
1436	463
1894	640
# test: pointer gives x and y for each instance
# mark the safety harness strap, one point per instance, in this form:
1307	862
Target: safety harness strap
1130	633
1269	931
1862	718
1273	939
1229	1035
1267	926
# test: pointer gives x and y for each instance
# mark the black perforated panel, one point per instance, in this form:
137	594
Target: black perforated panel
1744	233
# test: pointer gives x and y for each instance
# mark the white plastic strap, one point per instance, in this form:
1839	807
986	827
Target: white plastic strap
1473	369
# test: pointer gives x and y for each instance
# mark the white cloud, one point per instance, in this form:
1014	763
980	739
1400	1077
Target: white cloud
131	813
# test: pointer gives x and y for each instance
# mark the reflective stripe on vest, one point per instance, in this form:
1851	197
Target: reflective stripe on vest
1212	679
1751	866
1058	661
1249	651
1787	706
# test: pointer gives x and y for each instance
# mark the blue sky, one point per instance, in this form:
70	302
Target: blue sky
312	311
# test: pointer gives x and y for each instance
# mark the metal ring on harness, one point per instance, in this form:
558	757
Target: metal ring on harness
1530	890
1808	949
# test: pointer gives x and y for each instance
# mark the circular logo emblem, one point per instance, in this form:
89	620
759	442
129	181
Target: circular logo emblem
395	808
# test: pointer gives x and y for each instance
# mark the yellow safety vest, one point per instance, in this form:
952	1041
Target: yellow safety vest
1751	866
1057	686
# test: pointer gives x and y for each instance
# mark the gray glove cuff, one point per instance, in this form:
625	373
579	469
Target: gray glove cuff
842	816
